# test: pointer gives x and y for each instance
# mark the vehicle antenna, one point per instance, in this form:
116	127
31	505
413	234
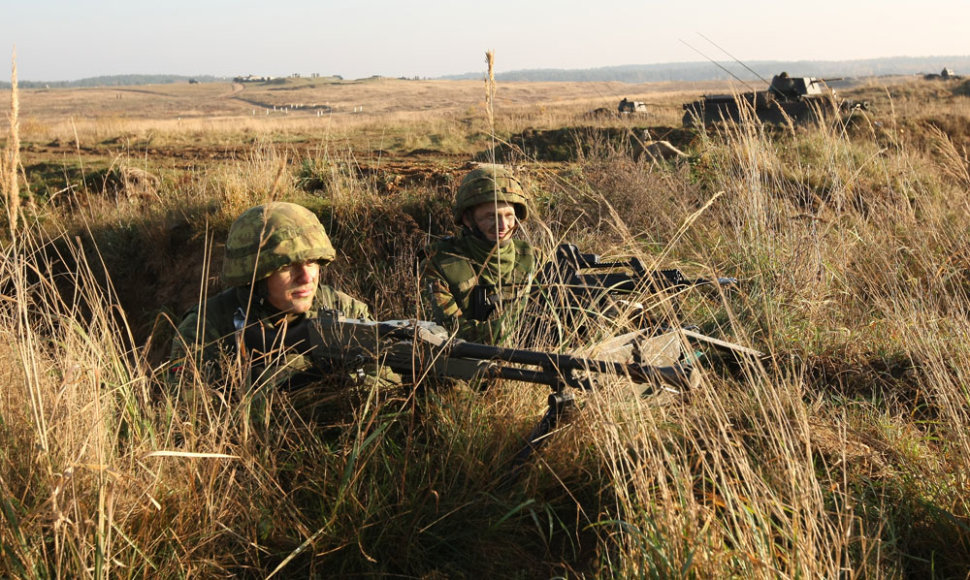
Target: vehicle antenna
718	65
735	58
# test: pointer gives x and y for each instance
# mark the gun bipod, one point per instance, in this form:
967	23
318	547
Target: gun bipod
560	402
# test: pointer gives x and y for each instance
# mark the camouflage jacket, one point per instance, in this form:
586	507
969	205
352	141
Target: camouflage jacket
482	298
208	336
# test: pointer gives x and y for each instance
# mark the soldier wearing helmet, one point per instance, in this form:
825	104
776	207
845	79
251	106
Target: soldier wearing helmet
273	256
478	281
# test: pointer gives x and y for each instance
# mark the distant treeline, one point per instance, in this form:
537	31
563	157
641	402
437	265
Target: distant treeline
706	71
633	73
115	81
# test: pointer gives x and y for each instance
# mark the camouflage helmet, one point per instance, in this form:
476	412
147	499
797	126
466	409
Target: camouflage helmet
490	182
267	237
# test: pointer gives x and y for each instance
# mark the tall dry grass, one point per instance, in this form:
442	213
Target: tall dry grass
10	167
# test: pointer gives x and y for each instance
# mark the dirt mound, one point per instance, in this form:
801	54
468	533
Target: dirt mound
572	143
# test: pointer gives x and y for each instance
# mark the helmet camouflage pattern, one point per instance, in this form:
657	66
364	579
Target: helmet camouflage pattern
268	237
490	182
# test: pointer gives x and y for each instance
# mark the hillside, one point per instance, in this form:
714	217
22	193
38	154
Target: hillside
707	71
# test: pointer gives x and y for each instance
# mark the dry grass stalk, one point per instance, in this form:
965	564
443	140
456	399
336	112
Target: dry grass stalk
12	185
950	160
490	91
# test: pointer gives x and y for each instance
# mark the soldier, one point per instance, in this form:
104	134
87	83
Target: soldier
273	256
479	281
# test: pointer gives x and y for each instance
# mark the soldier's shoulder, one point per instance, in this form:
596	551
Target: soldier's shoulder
212	319
444	244
221	305
443	251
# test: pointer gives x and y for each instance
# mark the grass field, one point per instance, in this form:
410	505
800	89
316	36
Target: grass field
843	453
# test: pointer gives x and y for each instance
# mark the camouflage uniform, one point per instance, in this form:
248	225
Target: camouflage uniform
262	240
471	283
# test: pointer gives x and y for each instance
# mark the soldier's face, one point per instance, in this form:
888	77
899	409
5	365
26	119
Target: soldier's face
291	288
496	220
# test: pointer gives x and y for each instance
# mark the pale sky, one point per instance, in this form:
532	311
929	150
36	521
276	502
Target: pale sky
73	39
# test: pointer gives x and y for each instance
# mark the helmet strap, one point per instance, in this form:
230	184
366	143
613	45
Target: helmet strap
468	224
475	232
260	294
261	300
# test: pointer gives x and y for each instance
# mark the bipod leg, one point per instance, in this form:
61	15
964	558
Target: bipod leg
559	403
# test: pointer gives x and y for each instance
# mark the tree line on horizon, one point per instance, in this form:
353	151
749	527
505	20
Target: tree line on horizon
115	81
634	73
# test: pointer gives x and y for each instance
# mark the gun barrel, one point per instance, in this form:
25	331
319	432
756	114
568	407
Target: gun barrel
564	364
530	357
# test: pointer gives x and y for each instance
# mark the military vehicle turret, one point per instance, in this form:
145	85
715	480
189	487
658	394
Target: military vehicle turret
800	99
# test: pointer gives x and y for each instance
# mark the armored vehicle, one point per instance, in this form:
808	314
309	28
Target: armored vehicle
627	106
800	99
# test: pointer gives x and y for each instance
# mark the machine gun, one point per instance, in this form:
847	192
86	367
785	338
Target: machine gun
574	286
420	349
574	282
578	271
